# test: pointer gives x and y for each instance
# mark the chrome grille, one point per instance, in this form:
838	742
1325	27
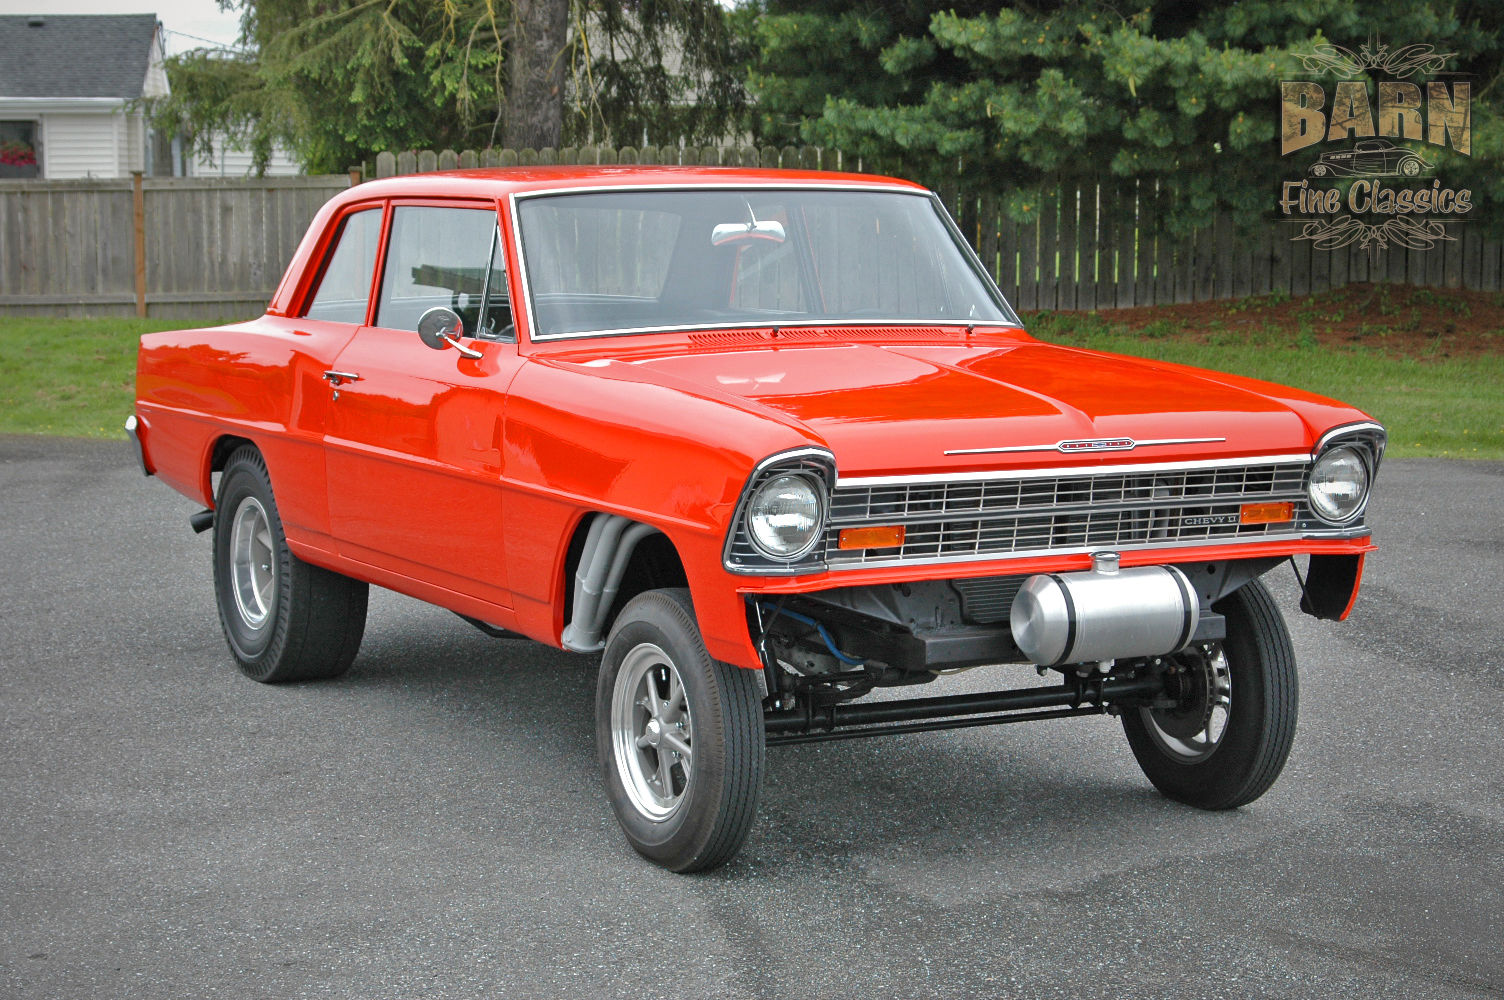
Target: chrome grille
1053	512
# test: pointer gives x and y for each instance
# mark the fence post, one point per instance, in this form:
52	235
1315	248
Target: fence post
138	221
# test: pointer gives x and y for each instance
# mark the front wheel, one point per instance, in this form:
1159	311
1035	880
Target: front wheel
1225	739
679	736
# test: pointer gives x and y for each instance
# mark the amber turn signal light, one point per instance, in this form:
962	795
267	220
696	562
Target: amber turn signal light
1267	513
887	537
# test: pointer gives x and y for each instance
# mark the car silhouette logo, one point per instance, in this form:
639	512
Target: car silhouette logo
1370	158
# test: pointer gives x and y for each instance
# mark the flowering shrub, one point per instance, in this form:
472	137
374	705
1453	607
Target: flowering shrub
17	154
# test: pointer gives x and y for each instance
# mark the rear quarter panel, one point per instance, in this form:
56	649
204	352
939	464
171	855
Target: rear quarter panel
262	381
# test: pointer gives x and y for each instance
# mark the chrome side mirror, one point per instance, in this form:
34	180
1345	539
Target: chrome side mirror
441	327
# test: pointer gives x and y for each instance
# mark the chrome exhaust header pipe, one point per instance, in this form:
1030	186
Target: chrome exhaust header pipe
1104	614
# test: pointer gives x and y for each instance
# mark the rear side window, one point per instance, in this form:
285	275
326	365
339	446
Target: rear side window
345	287
443	257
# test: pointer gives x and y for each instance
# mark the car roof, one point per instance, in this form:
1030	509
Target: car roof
500	182
494	182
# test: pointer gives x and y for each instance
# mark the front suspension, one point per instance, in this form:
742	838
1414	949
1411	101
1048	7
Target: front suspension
808	722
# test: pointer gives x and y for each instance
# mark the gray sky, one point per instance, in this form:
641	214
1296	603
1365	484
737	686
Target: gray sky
201	19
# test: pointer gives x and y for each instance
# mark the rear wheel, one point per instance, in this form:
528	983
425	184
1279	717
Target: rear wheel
285	619
1225	740
679	735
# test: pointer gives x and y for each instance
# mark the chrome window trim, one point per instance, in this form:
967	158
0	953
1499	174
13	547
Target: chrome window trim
627	331
989	283
1010	316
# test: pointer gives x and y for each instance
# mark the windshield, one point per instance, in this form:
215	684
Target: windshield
648	260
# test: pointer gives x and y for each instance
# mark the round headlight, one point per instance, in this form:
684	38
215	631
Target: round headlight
784	516
1339	485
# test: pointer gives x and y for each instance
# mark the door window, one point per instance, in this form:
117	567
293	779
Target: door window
345	286
448	257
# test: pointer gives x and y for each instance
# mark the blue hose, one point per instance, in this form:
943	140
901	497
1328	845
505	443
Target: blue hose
850	661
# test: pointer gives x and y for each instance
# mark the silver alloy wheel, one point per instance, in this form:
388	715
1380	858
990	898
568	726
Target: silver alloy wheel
253	563
652	734
1192	731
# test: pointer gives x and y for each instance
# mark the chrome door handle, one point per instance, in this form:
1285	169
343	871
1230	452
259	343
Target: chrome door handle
339	378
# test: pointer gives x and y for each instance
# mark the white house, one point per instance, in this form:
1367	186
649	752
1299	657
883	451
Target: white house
71	94
229	161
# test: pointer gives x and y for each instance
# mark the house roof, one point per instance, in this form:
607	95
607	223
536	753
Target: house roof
77	55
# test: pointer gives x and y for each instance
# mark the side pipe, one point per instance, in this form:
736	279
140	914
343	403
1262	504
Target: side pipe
591	576
494	631
609	544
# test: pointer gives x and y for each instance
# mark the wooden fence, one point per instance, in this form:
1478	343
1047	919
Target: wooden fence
217	247
198	248
1106	246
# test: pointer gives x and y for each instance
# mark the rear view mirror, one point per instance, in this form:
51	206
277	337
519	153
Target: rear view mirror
736	232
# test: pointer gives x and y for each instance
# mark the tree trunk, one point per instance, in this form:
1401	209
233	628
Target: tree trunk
535	91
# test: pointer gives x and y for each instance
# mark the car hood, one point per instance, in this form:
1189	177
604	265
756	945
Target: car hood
942	407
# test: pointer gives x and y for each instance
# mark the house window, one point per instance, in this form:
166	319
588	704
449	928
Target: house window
18	150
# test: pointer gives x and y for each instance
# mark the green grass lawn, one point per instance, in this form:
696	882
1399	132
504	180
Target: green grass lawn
75	377
70	377
1448	407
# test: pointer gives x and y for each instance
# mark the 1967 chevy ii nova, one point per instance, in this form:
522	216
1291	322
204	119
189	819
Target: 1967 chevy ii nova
766	441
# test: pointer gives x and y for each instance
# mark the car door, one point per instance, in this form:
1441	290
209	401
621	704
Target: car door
414	436
336	307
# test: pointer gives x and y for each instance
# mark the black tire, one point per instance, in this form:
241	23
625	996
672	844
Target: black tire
1410	167
1237	764
285	619
700	816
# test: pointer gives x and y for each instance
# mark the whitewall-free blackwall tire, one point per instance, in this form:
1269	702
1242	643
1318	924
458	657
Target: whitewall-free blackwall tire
284	619
679	735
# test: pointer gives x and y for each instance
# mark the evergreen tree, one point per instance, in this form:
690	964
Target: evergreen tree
1023	96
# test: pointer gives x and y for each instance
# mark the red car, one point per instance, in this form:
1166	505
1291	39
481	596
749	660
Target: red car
765	441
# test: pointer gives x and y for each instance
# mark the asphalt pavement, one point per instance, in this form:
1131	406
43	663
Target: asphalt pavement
432	824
